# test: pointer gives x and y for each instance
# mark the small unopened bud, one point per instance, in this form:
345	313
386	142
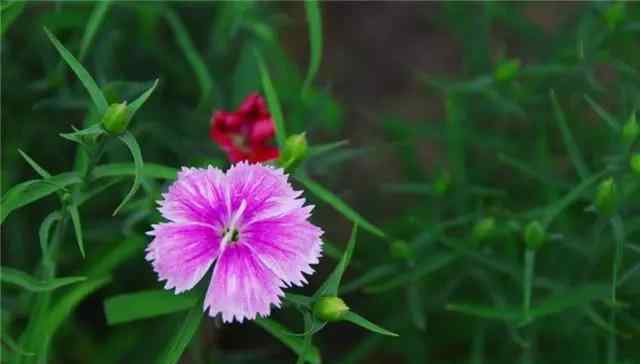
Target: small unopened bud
483	230
630	130
294	151
442	184
401	250
606	200
635	164
534	235
330	308
507	70
116	118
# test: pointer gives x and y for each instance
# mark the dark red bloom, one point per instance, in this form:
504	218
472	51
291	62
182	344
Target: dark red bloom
246	134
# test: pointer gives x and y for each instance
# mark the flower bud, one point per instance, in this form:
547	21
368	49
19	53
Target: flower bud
507	70
534	235
330	308
442	184
294	152
630	130
483	229
401	250
116	118
606	200
635	164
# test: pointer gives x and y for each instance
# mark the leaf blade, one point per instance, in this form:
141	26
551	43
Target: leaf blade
293	342
354	318
272	101
145	304
130	141
26	281
314	19
183	336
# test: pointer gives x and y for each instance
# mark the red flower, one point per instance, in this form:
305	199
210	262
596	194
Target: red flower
246	134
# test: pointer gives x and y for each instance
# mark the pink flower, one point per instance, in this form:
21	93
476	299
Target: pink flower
249	219
246	134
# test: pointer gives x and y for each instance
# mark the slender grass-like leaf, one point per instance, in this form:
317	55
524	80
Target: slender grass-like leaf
133	107
273	101
415	303
363	322
77	227
603	114
331	286
508	314
430	265
87	81
567	137
371	276
314	18
338	204
569	299
26	281
149	170
316	150
179	342
36	167
95	19
130	141
146	304
295	343
45	229
9	12
191	54
28	192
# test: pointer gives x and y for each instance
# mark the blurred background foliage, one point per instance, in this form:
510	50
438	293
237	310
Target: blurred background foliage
465	122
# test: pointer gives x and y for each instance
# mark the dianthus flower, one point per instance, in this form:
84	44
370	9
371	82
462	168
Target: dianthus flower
251	221
246	134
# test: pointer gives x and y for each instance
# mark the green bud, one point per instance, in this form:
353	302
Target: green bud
483	229
330	308
635	164
507	70
116	118
401	250
615	14
630	130
442	184
606	201
294	152
534	235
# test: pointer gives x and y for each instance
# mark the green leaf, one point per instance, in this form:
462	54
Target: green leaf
332	284
141	305
45	229
130	141
430	265
137	103
508	314
90	134
87	81
319	149
363	322
567	137
295	343
27	192
375	274
298	299
36	167
9	13
416	305
569	299
77	227
149	170
191	53
182	337
604	115
95	19
314	19
338	204
24	280
272	101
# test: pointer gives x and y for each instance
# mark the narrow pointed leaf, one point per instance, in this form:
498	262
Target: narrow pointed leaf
36	167
95	19
331	286
45	230
319	149
508	314
9	13
87	81
146	304
28	192
272	101
26	281
603	114
338	204
130	141
149	170
295	343
77	227
424	268
569	299
137	103
567	137
314	19
363	322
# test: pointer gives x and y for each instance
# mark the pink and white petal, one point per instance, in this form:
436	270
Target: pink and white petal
262	187
242	286
288	247
197	195
181	253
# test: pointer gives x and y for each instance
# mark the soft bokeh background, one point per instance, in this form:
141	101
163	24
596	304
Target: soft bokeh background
447	110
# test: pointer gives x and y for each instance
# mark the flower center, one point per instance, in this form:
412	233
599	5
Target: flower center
231	235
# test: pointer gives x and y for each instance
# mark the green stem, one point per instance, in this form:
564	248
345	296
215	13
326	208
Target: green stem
527	282
618	234
612	345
